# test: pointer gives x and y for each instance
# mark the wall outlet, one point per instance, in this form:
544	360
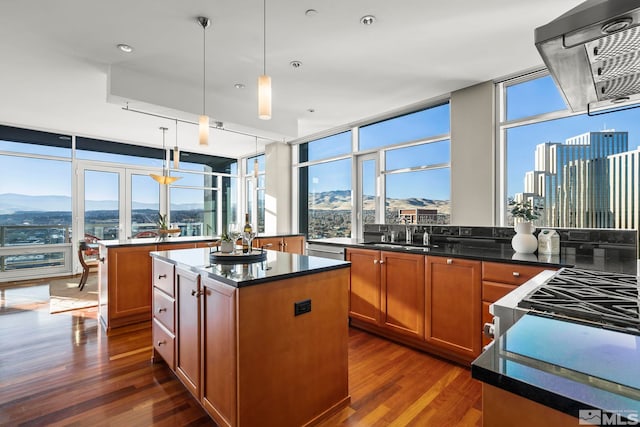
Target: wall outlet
301	307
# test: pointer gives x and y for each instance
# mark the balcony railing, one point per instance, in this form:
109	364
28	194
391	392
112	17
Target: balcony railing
25	249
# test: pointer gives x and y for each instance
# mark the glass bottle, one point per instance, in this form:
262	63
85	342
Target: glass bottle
247	231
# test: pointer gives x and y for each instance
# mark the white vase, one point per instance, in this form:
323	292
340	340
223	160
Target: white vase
226	247
524	241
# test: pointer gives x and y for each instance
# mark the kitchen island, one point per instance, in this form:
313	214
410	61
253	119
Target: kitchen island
124	273
262	343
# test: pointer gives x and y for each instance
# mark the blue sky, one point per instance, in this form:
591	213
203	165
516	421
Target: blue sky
37	177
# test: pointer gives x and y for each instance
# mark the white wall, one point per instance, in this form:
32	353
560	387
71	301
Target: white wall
472	155
278	188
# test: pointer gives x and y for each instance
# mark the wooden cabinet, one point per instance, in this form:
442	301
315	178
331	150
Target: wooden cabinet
453	304
163	325
125	293
433	303
290	244
365	289
294	244
276	243
402	291
501	408
219	386
175	246
249	360
498	279
387	289
188	293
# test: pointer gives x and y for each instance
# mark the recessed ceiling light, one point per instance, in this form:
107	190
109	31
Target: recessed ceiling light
239	86
367	20
295	64
125	48
311	12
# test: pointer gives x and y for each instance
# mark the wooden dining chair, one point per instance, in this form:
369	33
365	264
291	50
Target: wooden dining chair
86	263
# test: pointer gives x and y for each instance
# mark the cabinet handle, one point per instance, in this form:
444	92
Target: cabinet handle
162	276
160	343
449	261
196	294
516	274
161	310
381	261
375	261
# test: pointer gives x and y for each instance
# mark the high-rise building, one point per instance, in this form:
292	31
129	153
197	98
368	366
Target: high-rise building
588	181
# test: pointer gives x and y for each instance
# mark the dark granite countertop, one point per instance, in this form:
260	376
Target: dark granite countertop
155	240
276	266
566	366
170	240
488	250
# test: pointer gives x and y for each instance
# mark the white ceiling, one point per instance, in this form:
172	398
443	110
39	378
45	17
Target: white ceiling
61	70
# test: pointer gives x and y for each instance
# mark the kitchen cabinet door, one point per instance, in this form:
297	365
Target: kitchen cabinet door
188	294
294	244
453	318
364	296
403	293
219	391
128	286
275	242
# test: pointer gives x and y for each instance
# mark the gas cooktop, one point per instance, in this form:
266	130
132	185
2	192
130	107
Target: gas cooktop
609	300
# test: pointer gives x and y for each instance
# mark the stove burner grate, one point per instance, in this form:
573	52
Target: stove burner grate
608	299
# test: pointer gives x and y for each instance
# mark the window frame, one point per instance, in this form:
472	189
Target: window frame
355	153
502	126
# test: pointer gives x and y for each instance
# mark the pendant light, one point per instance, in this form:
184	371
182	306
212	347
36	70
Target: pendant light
264	81
176	151
203	121
256	166
164	178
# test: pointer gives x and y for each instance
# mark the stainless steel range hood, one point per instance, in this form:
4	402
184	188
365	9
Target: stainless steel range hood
593	53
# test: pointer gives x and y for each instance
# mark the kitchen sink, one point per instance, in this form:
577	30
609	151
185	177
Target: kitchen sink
402	246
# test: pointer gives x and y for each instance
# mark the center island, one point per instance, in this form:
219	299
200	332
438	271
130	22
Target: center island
261	343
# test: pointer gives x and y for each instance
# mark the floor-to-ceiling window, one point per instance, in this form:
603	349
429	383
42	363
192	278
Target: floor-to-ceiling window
580	169
254	178
416	170
325	186
381	172
35	203
57	189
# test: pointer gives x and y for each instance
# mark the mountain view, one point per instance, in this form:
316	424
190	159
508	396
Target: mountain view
11	203
341	200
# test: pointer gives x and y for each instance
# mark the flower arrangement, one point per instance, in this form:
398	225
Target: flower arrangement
163	227
162	222
525	211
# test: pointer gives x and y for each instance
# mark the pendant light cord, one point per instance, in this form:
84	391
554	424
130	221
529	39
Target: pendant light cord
204	68
264	37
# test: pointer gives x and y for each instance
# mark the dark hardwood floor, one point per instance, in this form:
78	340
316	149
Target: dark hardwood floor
62	370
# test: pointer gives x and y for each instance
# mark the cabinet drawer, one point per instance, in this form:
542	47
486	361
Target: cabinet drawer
164	309
164	343
492	292
163	276
513	274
